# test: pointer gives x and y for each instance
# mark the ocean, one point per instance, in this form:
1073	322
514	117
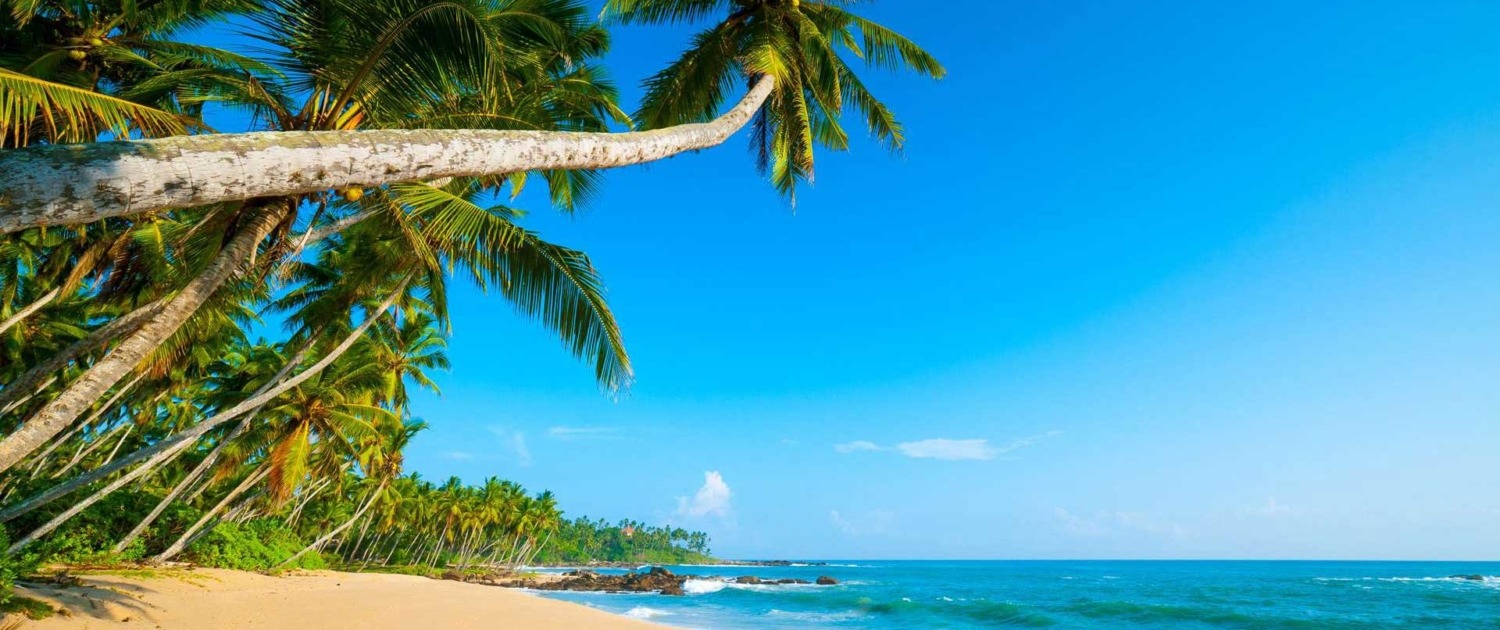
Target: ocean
1080	594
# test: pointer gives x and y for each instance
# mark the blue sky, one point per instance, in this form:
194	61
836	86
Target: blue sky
1152	280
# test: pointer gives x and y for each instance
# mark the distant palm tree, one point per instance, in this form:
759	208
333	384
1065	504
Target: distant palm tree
402	64
801	44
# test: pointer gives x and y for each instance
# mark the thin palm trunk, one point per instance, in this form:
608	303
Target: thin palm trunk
84	392
213	456
187	537
98	495
85	449
15	397
340	529
182	486
166	448
31	380
53	185
539	548
41	459
27	310
114	451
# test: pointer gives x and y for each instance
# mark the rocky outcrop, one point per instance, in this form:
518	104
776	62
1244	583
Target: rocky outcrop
750	579
826	581
657	579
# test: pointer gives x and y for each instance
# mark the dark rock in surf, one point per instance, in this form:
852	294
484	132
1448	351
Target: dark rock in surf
827	581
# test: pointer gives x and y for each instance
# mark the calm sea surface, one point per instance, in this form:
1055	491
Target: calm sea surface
1081	594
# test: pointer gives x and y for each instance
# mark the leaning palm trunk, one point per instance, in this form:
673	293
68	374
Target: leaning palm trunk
41	459
32	379
187	537
187	481
164	450
84	392
85	449
27	310
69	184
340	529
213	456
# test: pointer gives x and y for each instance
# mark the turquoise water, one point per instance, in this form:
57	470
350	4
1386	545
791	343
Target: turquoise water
1081	594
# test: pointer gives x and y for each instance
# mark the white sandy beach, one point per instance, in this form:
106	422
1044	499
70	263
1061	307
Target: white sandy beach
216	598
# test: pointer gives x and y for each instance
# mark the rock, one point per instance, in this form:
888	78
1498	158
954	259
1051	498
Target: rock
826	581
1471	578
747	579
454	575
660	571
672	589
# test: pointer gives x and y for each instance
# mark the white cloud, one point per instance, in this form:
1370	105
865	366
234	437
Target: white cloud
581	433
712	498
873	522
1269	509
458	456
941	448
1105	523
515	442
946	449
857	445
1024	442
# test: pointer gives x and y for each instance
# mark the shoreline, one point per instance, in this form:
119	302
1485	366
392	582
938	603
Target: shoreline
190	599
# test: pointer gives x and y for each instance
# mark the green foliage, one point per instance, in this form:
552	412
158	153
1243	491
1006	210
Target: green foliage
13	567
582	540
25	606
805	46
258	545
360	278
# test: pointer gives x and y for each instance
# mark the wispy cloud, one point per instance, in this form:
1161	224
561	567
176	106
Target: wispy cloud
458	456
856	446
947	449
582	433
873	522
1016	445
712	498
1270	509
952	450
513	441
1108	523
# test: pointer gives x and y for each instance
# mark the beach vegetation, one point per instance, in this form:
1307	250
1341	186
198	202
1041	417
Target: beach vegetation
210	355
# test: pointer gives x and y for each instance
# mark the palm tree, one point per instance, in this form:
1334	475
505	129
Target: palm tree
798	43
353	93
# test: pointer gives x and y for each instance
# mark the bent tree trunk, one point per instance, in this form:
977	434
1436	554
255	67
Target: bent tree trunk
163	450
177	490
338	530
188	536
213	456
32	379
63	410
29	309
71	184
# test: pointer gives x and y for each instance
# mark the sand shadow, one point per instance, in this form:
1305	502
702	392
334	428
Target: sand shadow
98	596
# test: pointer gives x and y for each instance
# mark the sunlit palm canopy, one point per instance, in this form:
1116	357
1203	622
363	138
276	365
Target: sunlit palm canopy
804	45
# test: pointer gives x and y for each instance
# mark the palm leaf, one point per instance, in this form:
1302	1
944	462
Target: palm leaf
68	114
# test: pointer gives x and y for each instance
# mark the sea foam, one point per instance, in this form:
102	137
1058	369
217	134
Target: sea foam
646	612
703	587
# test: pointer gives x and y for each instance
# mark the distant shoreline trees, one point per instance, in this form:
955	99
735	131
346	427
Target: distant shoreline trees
388	138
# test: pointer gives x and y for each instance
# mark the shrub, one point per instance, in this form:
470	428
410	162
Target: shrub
258	545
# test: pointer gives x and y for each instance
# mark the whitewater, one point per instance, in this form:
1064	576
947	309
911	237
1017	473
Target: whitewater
1080	594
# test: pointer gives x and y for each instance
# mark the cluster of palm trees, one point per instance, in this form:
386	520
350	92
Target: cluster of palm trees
141	277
